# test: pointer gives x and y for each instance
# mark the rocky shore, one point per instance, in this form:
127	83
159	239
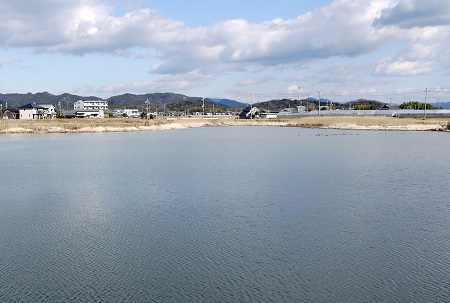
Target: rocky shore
139	125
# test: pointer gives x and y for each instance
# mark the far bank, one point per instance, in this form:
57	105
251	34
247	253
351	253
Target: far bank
136	125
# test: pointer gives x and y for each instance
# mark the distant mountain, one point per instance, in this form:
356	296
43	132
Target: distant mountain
228	102
442	105
125	100
17	100
322	100
154	98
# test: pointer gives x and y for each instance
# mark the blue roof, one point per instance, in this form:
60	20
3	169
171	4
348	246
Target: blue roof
31	105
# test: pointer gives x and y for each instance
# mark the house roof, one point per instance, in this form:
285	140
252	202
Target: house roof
46	105
12	110
30	106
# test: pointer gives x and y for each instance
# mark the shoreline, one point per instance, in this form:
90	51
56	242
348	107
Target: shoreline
115	125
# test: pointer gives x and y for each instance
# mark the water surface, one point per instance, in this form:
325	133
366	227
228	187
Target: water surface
227	214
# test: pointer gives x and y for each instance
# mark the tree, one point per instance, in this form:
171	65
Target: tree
415	105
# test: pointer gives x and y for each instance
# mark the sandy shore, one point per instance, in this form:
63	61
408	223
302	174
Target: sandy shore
136	125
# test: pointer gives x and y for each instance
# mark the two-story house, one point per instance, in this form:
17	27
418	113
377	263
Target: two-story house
33	111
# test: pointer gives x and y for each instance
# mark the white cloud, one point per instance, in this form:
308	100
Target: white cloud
403	68
416	13
166	84
341	29
425	53
186	57
253	81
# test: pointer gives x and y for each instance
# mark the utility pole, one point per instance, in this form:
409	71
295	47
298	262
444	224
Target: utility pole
203	106
251	107
319	103
425	107
148	108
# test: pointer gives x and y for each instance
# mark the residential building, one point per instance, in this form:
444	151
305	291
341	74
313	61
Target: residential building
10	113
85	113
132	113
250	113
50	111
31	111
90	104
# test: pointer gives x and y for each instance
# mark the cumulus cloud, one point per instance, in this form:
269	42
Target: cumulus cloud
424	53
83	26
403	68
416	13
343	28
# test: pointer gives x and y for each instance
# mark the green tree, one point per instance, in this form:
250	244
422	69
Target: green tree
415	105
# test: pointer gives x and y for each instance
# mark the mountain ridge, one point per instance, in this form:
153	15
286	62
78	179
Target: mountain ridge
66	100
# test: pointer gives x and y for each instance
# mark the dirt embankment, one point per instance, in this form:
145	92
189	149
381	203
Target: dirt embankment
136	125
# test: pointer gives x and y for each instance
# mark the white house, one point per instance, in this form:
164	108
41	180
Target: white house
132	113
90	104
50	111
31	111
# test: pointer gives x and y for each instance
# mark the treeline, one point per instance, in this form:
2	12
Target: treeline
416	105
313	104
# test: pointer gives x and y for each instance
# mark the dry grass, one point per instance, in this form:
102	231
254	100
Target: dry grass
133	125
383	123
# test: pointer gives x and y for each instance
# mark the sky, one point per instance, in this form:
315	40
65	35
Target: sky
387	50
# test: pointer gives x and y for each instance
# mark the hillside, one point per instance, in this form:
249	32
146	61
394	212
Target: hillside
228	102
17	100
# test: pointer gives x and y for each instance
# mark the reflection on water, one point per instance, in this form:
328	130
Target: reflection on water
231	214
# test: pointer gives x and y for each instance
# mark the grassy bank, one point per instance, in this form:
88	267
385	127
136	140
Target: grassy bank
133	125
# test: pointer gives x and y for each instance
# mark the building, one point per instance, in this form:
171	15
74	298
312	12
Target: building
132	113
10	113
268	115
90	104
88	109
126	113
85	113
31	111
50	111
249	113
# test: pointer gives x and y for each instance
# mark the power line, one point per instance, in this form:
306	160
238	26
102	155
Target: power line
296	95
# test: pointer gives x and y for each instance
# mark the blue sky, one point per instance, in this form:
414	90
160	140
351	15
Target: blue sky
388	50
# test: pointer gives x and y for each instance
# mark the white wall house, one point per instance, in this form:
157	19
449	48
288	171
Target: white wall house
50	111
32	111
90	104
132	113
